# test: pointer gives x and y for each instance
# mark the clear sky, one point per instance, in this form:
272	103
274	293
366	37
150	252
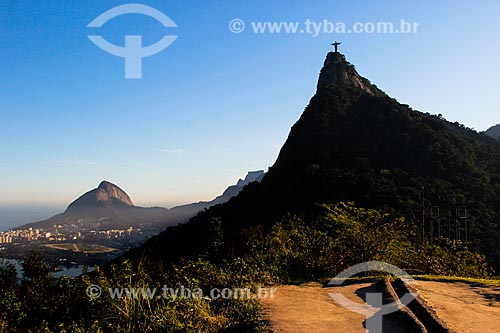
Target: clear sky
214	104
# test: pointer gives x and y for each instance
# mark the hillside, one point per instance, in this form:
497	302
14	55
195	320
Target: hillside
353	142
494	132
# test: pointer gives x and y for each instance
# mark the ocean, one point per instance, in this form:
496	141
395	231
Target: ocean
12	216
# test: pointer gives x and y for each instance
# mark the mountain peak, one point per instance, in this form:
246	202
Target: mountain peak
105	185
113	191
106	193
251	177
338	71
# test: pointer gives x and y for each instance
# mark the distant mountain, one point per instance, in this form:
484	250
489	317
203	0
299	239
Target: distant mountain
494	132
110	207
105	207
233	190
106	194
355	143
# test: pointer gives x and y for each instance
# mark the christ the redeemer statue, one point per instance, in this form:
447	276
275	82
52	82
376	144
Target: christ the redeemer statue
336	45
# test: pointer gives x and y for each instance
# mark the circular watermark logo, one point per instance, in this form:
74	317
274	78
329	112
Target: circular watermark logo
94	291
374	308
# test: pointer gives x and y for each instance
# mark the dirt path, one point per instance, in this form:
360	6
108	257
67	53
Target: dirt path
308	308
464	307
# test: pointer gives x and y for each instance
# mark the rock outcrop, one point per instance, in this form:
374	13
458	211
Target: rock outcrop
106	194
338	71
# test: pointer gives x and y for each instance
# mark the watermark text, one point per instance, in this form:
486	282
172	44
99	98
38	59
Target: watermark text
323	27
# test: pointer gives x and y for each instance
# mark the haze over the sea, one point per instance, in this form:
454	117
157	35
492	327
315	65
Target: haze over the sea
12	216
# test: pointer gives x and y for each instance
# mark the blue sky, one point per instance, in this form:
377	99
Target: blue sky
214	104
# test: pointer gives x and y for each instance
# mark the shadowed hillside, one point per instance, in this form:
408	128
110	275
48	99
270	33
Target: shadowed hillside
353	142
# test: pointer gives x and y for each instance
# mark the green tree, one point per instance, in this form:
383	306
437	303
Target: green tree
364	234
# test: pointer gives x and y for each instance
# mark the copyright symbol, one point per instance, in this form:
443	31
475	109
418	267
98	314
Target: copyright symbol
93	291
236	26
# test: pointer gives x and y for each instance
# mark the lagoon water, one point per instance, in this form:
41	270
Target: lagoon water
72	271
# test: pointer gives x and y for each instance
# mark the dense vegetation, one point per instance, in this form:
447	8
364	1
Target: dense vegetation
332	239
41	303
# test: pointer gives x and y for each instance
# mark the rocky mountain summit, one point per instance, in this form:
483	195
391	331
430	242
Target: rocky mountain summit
252	176
338	71
106	194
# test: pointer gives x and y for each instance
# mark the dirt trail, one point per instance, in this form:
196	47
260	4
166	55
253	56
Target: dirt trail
308	308
464	307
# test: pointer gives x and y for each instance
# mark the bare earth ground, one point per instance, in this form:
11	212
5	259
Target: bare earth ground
308	308
465	307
